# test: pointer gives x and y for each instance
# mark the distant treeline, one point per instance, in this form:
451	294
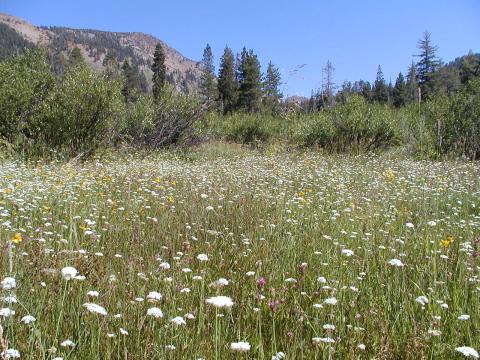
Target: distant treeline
69	111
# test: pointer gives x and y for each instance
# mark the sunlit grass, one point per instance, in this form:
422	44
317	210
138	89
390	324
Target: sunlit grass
322	257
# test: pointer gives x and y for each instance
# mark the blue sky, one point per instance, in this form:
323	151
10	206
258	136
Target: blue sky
356	36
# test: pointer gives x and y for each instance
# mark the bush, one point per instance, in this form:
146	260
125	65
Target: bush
174	118
352	126
25	83
139	120
81	113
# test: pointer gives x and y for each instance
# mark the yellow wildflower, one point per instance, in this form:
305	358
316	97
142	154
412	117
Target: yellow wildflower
390	175
445	243
17	238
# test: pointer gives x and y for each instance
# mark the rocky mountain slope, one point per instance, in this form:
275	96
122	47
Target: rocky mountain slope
137	47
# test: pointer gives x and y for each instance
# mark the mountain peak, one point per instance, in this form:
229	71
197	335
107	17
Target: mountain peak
137	47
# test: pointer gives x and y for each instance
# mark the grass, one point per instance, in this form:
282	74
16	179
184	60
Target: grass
277	227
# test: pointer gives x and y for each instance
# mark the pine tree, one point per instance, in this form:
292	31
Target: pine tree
427	66
250	82
412	84
399	93
208	81
271	91
380	89
75	57
227	84
328	86
159	71
131	82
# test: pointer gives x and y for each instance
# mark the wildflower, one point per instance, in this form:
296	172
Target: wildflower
170	347
467	351
154	296
202	257
261	282
155	312
328	327
221	282
464	317
432	223
92	293
321	280
11	354
409	225
390	175
318	340
361	346
240	346
250	273
423	300
330	301
395	262
8	283
165	266
28	319
69	272
96	309
68	343
445	243
178	320
6	312
347	252
434	332
17	238
279	356
123	331
220	301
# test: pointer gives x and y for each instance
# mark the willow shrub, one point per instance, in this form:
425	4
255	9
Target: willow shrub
352	126
25	83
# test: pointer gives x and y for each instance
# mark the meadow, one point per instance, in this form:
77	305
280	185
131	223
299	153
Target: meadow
240	255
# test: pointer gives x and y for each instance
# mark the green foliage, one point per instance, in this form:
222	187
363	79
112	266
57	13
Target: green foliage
131	82
11	42
399	93
25	83
139	120
250	82
75	121
271	91
456	120
352	126
159	71
75	57
174	117
427	65
227	83
208	82
380	89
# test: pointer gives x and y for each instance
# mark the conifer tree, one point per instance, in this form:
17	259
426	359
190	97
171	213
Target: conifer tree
427	65
271	91
412	84
399	93
75	57
380	89
250	82
227	84
159	71
208	81
131	82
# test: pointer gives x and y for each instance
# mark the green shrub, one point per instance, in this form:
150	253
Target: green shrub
139	120
352	126
81	113
25	83
174	118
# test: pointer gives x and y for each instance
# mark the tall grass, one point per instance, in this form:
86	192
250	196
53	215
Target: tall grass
305	242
